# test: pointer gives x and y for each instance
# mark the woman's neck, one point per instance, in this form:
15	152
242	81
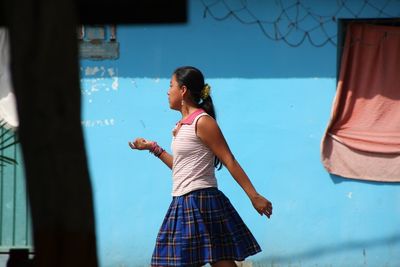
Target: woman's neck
187	110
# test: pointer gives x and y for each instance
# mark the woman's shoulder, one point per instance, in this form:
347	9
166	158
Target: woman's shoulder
205	117
206	122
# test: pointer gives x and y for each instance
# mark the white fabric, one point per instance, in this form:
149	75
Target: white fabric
8	111
193	162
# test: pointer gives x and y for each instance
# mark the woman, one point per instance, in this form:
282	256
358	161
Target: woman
201	225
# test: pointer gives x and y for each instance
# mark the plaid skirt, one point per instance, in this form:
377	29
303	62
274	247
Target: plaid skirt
202	227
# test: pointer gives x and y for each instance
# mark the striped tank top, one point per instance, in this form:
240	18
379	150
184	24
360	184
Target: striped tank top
193	162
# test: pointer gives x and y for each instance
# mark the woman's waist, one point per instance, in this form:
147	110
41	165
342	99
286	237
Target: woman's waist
206	177
201	191
180	187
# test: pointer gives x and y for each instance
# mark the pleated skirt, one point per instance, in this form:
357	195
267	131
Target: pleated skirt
202	227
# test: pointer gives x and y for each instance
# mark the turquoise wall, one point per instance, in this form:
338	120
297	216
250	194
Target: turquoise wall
273	103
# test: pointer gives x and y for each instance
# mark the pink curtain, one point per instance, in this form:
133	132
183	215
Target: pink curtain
362	140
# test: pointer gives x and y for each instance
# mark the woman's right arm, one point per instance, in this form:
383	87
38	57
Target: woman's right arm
143	144
166	158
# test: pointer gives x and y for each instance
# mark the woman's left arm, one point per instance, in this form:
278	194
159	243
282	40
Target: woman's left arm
210	134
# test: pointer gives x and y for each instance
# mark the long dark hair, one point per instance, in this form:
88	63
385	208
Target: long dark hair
193	79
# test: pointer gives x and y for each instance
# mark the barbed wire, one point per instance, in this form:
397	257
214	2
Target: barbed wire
297	19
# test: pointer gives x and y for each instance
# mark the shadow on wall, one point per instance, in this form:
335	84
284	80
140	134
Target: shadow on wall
338	179
216	41
321	251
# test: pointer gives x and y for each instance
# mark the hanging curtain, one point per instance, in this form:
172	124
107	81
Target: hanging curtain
362	140
8	112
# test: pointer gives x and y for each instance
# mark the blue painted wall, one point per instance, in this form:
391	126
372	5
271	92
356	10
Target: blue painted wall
273	103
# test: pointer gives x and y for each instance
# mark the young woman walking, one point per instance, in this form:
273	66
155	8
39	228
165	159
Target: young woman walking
201	225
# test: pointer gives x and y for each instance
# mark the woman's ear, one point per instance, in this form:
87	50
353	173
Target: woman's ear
184	90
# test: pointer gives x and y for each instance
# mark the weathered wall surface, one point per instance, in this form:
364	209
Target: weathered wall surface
273	103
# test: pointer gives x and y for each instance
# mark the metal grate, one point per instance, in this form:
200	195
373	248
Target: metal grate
15	219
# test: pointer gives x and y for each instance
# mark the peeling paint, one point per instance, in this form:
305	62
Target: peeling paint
111	72
99	122
99	71
91	71
103	70
115	83
95	85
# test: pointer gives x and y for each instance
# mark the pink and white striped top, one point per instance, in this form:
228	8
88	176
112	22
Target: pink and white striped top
193	162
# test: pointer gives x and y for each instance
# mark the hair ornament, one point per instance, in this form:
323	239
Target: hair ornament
205	92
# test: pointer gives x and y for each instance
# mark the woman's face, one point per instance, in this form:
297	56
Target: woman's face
174	94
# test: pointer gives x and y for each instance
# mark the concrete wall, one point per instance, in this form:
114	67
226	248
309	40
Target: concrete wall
273	103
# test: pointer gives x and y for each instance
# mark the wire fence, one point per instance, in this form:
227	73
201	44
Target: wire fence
295	22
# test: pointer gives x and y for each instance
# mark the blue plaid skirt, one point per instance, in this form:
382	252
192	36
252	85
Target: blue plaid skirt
202	227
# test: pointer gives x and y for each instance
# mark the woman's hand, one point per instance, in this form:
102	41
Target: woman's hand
262	205
141	144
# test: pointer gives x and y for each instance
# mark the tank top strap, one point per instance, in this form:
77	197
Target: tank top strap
197	118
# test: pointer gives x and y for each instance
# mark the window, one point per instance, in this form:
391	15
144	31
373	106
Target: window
362	140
